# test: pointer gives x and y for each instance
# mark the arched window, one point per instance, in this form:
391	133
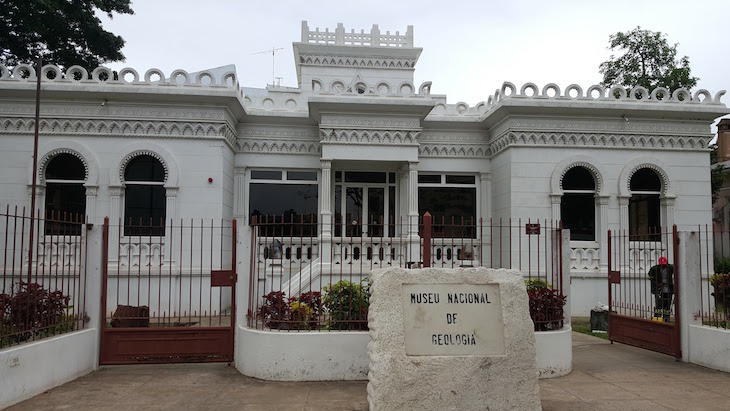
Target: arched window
65	194
144	197
644	209
577	206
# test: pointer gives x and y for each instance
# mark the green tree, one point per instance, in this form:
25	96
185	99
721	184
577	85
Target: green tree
64	32
647	60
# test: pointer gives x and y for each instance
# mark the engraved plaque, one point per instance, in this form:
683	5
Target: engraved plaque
453	319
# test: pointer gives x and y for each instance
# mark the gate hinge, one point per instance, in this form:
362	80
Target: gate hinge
614	277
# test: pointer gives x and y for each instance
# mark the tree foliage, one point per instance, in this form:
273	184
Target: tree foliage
647	60
64	32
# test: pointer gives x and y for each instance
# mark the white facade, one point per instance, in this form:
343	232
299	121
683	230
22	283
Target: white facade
357	109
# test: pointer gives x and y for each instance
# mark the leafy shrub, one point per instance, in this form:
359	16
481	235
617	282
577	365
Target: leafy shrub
306	310
721	284
275	310
536	284
33	311
546	308
347	304
722	266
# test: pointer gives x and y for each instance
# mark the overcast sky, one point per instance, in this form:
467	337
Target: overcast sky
469	47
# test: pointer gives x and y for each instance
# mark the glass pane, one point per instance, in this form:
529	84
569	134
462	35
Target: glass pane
144	210
391	177
644	217
578	178
364	177
460	179
64	202
578	213
301	175
453	210
265	175
429	178
376	211
65	167
144	168
353	211
338	176
645	179
289	209
338	211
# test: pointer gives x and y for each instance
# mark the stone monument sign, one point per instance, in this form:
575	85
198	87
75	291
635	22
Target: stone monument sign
451	339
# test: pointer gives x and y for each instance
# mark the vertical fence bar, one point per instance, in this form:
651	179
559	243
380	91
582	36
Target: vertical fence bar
427	240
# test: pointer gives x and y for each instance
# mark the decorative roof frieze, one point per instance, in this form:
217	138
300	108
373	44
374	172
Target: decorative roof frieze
112	128
453	150
369	137
379	123
358	62
267	146
116	111
612	141
592	125
296	133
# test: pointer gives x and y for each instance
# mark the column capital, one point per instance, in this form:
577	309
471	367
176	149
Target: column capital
171	192
325	163
413	166
603	199
556	198
115	190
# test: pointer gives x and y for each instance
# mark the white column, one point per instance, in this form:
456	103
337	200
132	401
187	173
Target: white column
623	203
170	207
666	207
414	241
485	195
325	213
91	193
115	215
603	230
239	194
555	200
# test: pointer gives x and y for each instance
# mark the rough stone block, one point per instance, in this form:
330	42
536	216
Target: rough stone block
451	339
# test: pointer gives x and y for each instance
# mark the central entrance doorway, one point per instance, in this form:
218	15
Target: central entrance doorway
365	204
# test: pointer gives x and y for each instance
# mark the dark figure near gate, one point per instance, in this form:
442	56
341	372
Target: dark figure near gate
662	286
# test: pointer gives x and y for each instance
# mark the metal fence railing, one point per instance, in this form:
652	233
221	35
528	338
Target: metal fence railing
166	274
714	272
303	280
43	263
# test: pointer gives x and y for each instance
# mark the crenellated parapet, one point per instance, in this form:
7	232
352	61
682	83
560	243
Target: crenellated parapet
125	77
340	37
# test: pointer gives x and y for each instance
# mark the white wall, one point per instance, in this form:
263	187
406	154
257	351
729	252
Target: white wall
708	346
29	369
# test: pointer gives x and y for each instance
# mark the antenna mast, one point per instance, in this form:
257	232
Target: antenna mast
273	51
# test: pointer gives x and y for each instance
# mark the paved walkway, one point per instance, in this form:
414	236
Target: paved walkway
605	377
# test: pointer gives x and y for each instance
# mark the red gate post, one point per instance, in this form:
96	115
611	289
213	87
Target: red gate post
677	326
427	240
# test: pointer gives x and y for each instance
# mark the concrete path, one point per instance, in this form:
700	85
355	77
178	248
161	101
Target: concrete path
605	377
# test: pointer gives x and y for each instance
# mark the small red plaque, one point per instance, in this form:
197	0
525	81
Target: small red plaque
532	228
222	278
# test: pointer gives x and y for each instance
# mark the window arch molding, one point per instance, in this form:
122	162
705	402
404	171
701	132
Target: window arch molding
587	162
635	165
136	150
50	150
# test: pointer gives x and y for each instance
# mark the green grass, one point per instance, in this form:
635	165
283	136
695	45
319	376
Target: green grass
583	325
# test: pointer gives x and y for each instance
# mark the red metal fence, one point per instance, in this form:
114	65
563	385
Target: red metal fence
303	278
714	273
43	275
169	291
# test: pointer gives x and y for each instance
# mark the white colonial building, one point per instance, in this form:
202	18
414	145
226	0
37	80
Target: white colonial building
361	150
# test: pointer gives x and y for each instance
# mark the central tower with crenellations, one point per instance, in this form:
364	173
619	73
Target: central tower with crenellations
363	63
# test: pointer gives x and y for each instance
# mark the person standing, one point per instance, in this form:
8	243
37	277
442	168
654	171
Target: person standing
662	286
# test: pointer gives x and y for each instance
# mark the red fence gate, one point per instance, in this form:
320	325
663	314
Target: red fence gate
168	292
643	290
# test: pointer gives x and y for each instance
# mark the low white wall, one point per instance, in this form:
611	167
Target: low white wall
708	347
587	290
554	352
342	355
302	356
29	369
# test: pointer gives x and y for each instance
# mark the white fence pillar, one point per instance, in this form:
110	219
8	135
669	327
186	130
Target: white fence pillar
689	280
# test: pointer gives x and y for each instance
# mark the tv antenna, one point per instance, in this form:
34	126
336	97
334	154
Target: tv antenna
273	51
